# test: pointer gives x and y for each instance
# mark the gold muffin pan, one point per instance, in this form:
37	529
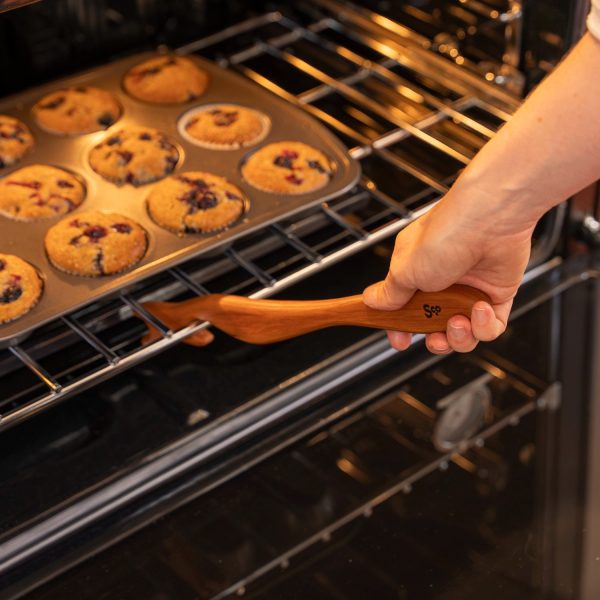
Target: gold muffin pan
63	292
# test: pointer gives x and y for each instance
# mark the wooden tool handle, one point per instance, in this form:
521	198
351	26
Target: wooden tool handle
266	321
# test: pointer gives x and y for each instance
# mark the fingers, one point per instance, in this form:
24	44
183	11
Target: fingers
459	333
485	323
387	295
462	334
399	340
437	343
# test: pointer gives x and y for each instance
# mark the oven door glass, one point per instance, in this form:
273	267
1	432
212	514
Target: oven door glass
445	483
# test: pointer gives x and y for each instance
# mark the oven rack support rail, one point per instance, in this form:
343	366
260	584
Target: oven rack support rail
409	112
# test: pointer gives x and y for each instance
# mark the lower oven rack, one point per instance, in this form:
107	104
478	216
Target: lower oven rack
547	400
533	395
386	102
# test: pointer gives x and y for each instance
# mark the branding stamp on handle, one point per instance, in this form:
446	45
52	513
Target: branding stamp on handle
431	310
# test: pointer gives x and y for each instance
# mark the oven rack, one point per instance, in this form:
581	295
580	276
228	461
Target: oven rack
527	394
539	400
437	110
197	448
482	36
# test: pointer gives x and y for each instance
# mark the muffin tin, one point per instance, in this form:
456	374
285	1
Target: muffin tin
63	292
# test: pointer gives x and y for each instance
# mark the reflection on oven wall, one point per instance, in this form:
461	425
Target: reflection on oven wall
551	27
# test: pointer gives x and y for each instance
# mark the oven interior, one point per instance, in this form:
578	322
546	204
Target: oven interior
326	466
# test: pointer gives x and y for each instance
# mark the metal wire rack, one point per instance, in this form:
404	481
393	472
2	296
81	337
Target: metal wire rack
412	126
466	457
483	36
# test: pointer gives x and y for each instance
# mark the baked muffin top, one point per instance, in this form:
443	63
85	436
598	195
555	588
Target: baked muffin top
135	155
287	168
20	287
95	243
77	110
225	126
166	80
15	140
39	192
195	202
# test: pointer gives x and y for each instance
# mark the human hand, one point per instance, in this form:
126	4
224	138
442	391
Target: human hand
450	244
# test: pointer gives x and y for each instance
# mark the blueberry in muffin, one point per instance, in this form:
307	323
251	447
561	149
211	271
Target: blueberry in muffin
195	202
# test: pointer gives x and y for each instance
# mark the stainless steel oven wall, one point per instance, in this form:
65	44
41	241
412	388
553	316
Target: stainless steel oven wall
590	569
550	28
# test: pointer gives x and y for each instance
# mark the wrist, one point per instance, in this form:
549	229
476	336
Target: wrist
494	204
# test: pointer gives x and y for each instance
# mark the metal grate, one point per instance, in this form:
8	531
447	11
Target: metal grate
483	36
352	453
413	128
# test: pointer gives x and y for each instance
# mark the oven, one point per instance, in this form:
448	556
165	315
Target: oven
327	466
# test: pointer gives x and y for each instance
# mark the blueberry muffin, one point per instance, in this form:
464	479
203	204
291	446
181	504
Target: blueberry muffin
225	126
134	155
195	202
39	192
95	243
20	287
77	110
166	80
15	140
287	168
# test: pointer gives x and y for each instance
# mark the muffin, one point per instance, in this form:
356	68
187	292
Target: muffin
39	192
287	168
77	110
195	202
224	126
20	287
166	80
15	140
95	243
134	155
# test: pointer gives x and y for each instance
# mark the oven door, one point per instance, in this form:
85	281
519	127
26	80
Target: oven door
405	475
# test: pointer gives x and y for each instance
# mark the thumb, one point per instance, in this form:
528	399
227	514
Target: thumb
387	295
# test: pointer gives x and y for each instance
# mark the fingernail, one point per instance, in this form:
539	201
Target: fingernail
458	332
480	316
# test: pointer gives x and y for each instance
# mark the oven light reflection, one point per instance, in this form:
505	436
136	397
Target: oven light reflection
347	466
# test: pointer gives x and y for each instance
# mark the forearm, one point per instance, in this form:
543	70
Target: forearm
549	150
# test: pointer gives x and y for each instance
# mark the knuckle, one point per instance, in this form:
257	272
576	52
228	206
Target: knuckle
395	276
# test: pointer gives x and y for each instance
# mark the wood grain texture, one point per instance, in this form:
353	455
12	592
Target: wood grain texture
267	321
